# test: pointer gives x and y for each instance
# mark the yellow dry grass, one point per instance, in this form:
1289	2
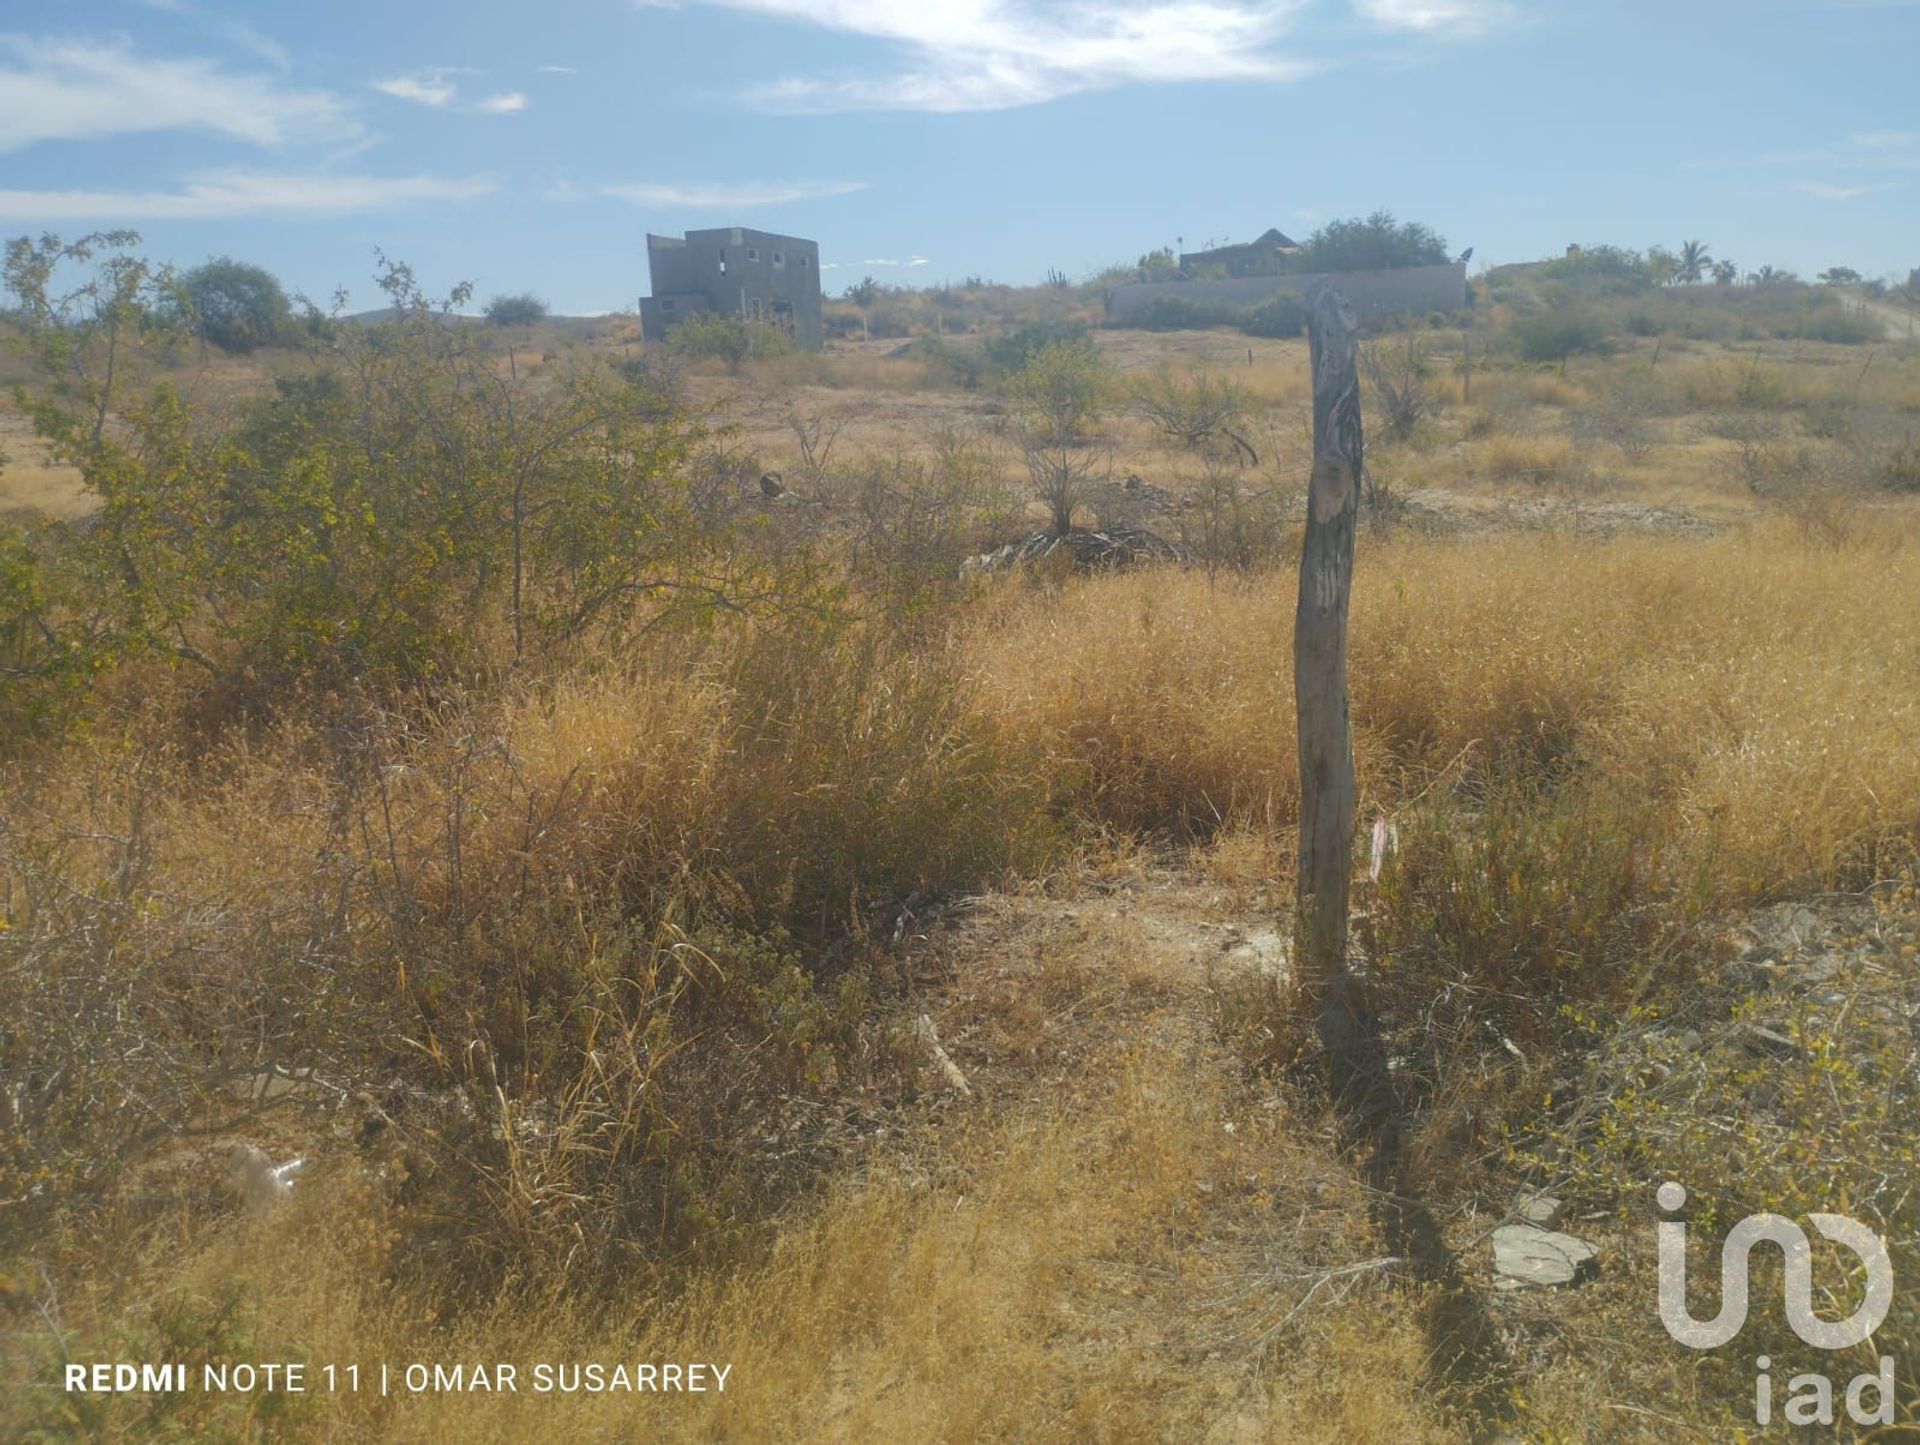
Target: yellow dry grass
30	482
1090	1266
1757	686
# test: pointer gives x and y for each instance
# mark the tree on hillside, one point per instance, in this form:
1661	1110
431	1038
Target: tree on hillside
1840	276
1373	243
521	309
1662	265
236	306
1160	265
1692	262
1724	273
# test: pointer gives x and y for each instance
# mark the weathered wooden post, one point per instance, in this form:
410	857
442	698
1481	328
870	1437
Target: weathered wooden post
1327	790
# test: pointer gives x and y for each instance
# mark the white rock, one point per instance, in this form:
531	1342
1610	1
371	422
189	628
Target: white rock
257	1180
1524	1255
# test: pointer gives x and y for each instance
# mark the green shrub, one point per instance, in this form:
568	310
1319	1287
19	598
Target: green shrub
523	309
725	338
235	306
1280	315
1559	334
1017	348
1180	313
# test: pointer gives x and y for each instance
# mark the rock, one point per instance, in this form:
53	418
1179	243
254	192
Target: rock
1812	975
258	1181
1759	1039
1525	1256
1540	1210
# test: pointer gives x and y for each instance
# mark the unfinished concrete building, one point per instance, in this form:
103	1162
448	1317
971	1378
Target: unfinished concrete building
758	276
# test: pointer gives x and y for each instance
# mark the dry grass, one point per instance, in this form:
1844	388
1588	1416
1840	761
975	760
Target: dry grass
30	482
573	902
1105	1265
1681	670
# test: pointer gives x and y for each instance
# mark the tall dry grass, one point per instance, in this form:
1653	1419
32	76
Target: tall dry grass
1755	688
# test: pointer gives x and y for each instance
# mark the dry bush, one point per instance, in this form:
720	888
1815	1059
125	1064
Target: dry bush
1539	460
1398	376
988	1283
572	904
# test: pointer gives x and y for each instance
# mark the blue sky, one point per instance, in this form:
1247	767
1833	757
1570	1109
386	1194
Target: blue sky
531	147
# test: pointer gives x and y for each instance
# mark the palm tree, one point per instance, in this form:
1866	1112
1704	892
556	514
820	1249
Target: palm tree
1693	261
1724	273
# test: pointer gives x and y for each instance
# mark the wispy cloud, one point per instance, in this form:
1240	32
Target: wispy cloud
1827	191
556	70
721	195
437	88
84	90
1434	17
895	262
237	33
224	195
1867	150
965	55
422	87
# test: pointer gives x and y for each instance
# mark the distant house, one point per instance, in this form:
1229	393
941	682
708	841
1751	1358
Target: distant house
758	276
1259	257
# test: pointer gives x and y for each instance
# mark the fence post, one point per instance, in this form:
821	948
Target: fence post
1327	789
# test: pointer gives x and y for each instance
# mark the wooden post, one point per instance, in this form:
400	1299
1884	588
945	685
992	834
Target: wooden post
1466	364
1327	790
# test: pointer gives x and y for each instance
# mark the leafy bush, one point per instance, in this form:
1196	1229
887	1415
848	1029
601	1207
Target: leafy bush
1181	313
1559	335
235	306
522	309
372	521
1280	315
1011	352
1372	243
725	338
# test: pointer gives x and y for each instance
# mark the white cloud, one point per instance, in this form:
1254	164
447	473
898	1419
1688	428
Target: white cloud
222	195
423	87
994	54
84	90
1828	192
894	262
722	195
505	103
556	70
1433	17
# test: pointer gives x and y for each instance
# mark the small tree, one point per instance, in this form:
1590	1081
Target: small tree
1202	413
1060	395
1160	265
1840	276
1692	262
236	306
521	309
